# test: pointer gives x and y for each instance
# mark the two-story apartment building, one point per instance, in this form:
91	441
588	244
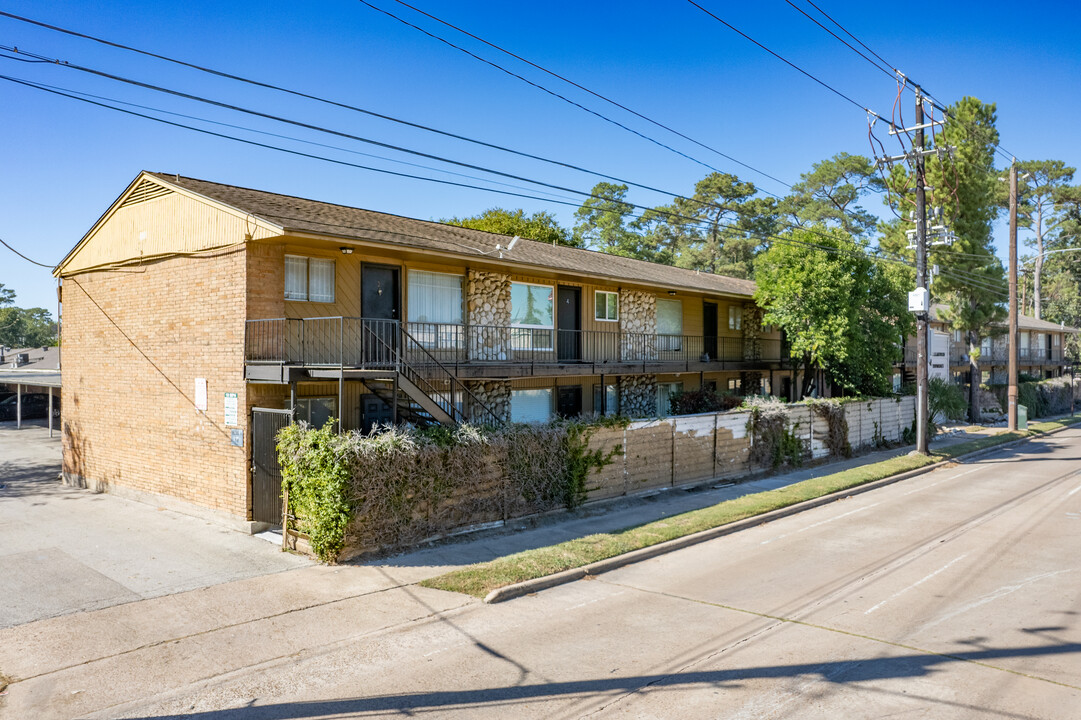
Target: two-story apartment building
199	317
1041	350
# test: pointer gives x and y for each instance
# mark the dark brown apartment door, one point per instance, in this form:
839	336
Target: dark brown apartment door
709	324
569	323
380	306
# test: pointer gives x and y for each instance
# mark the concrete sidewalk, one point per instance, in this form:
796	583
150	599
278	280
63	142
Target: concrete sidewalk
65	550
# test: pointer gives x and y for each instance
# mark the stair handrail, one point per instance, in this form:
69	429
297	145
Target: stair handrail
455	382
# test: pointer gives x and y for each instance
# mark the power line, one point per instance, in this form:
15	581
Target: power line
318	128
760	236
888	70
555	94
572	83
278	88
32	262
294	139
783	59
279	149
891	66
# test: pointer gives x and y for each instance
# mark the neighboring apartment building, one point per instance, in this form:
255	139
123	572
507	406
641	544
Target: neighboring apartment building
198	317
1041	351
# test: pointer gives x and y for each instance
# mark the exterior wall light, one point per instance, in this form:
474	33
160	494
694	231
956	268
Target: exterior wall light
346	250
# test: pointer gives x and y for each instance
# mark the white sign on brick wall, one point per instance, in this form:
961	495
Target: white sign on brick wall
200	394
230	410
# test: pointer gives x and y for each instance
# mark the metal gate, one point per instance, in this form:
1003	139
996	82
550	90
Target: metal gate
266	476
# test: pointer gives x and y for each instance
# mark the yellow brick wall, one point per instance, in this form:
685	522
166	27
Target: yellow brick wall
135	340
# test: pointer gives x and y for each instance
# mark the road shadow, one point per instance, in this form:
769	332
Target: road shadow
845	672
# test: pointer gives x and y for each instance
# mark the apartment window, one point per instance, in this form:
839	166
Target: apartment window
434	297
607	305
735	385
309	279
532	311
985	347
1023	337
735	317
534	405
611	397
957	336
670	324
665	393
316	411
435	308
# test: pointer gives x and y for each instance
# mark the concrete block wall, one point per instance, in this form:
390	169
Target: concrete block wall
135	340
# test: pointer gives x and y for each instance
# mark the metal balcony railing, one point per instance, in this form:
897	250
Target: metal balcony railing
371	343
998	355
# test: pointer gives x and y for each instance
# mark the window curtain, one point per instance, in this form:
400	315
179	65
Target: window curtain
296	278
320	280
435	297
531	405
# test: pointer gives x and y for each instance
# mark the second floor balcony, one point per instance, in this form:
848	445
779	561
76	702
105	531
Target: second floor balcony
997	355
484	351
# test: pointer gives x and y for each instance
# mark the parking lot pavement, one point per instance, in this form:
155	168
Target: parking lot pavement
65	550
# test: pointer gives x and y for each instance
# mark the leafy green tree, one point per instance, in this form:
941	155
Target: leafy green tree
24	327
718	229
604	222
1041	210
541	226
973	288
841	310
831	192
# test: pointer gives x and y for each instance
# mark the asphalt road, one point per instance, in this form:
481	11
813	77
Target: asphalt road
956	594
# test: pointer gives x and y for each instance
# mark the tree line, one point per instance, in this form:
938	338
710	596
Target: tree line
831	273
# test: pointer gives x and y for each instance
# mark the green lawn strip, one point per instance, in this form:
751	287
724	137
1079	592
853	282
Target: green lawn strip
480	579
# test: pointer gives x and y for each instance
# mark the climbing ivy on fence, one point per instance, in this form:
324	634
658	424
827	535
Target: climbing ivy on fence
773	443
833	412
399	486
316	473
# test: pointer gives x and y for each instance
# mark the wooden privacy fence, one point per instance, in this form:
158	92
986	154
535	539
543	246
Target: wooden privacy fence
693	448
408	492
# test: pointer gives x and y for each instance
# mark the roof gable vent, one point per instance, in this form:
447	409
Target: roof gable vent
144	191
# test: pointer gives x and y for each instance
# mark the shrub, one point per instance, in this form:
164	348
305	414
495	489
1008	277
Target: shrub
690	402
773	442
945	399
833	412
400	485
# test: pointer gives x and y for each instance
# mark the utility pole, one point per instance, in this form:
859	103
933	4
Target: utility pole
919	300
921	283
1011	393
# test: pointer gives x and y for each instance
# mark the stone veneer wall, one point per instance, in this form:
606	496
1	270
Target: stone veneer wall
493	393
488	305
638	395
638	325
752	331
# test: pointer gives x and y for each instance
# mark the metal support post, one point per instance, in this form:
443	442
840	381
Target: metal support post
1012	345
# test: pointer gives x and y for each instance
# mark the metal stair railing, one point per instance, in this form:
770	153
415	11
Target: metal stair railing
409	347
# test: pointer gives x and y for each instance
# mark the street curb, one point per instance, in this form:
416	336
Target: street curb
526	587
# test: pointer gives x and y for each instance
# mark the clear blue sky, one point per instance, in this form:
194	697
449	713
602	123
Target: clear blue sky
64	162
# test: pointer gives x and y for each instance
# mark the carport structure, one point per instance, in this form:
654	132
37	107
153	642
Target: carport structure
22	382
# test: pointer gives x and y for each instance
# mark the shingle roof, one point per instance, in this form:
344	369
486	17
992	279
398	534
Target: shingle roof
301	215
1024	322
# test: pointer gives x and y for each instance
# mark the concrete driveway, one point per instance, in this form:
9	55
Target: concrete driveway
65	550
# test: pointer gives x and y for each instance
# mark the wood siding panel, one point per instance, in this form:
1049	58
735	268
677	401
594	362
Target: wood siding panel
173	224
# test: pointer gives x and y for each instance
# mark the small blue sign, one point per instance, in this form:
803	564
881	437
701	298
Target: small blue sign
237	436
